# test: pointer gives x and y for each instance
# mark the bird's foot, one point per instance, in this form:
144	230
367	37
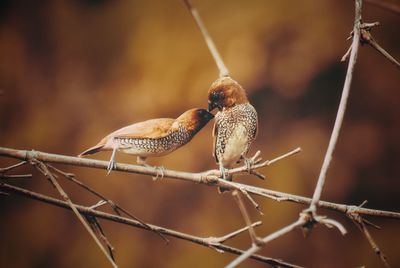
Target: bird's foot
111	165
226	176
249	164
225	173
160	172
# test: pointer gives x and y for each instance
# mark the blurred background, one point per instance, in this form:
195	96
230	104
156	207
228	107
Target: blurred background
73	71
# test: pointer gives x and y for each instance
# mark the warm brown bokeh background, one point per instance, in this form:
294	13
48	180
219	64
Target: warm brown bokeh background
73	71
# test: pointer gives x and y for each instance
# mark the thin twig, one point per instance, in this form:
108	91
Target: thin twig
222	239
245	193
99	230
223	71
113	205
367	37
43	168
342	108
198	178
4	170
127	221
265	163
15	176
246	216
309	217
360	223
256	247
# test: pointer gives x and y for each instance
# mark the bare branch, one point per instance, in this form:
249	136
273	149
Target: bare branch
265	163
245	216
223	71
43	168
131	222
256	247
360	223
198	178
367	38
4	170
17	176
341	110
222	239
94	223
113	205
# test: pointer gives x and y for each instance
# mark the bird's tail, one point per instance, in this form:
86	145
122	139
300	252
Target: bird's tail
91	150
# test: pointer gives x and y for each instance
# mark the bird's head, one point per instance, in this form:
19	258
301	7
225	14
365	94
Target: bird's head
224	93
194	119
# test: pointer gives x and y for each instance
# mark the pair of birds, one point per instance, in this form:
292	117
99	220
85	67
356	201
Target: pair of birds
235	129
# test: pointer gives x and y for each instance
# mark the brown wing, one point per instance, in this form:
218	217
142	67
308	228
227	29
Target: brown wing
151	129
214	134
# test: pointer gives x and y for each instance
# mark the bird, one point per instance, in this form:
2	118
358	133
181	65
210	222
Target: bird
235	126
154	137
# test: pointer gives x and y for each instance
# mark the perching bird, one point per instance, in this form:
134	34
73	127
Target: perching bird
235	125
155	137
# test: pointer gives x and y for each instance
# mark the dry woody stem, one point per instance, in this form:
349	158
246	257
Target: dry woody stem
43	168
341	110
87	211
198	178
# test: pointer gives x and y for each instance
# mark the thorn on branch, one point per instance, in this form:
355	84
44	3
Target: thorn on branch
366	38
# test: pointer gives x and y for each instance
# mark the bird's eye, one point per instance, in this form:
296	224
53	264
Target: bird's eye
218	95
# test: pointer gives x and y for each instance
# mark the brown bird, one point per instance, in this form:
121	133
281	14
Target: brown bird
155	137
235	125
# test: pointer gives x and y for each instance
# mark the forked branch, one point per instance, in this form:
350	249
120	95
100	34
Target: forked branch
87	211
198	178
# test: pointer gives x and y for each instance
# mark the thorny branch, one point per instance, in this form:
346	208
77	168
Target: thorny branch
87	211
367	38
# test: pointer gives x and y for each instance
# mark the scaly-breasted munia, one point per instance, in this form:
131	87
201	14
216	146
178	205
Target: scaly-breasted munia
235	125
155	137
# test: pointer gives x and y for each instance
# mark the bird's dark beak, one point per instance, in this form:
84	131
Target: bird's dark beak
211	106
209	116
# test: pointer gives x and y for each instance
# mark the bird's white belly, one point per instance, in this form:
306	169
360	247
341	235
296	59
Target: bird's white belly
236	145
135	151
144	152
